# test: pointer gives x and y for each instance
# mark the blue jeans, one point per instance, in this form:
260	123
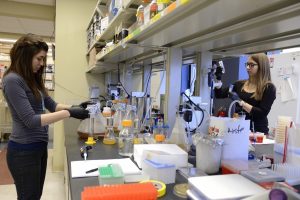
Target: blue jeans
28	169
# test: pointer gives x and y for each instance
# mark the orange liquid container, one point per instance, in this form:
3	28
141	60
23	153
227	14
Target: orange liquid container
109	137
136	191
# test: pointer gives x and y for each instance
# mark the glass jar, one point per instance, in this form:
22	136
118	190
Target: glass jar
126	139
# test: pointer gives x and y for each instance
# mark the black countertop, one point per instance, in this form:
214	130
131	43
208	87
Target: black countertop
100	151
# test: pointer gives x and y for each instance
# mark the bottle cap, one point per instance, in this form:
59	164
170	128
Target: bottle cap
115	101
159	137
127	123
106	112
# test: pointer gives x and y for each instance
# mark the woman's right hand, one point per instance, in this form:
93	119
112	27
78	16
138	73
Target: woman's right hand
78	112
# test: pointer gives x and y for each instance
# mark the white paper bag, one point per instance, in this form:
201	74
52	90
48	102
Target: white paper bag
235	133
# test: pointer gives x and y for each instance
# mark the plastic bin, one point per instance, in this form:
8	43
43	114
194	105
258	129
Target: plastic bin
208	154
162	172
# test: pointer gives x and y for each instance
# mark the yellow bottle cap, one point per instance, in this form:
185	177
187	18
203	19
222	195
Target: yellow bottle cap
160	137
127	123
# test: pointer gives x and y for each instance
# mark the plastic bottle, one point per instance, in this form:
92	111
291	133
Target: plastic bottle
126	139
140	15
153	9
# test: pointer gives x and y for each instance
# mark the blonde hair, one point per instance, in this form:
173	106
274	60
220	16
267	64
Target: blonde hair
263	75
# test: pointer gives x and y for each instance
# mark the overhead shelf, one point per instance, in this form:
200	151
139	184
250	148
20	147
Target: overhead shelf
123	15
101	67
93	45
124	51
187	26
98	10
247	26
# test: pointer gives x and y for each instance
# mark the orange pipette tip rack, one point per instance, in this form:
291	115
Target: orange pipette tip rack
136	191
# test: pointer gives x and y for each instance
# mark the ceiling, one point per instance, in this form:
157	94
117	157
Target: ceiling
18	17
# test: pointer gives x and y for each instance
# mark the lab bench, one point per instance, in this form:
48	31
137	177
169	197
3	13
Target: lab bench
100	151
74	186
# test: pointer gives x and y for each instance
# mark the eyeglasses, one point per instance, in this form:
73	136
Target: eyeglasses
251	65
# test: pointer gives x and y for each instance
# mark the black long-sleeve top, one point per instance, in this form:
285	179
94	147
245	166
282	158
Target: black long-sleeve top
260	109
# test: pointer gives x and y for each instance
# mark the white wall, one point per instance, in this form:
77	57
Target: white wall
72	83
291	107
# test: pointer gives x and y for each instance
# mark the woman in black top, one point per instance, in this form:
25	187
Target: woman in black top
257	94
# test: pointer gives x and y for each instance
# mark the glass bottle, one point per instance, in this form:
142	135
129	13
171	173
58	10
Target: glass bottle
118	117
109	137
147	131
126	139
136	131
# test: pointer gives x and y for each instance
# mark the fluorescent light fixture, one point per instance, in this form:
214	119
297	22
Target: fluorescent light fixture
290	50
7	40
14	40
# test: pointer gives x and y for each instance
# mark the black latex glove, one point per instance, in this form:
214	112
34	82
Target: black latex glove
219	73
234	96
84	104
78	112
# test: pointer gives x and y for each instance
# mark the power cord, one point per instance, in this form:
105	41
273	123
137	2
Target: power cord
202	111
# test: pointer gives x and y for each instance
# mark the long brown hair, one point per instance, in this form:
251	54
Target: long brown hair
263	75
21	56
